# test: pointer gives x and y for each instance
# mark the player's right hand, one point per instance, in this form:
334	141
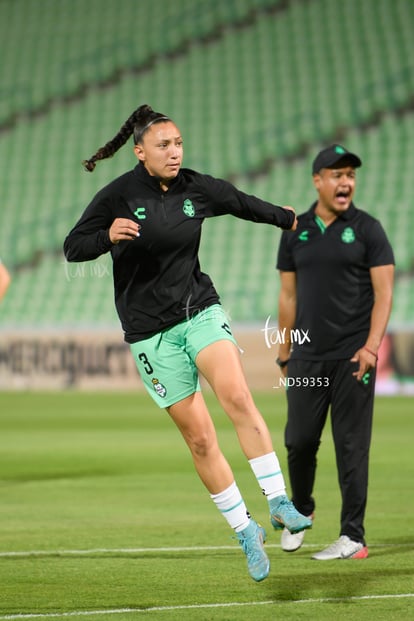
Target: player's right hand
123	229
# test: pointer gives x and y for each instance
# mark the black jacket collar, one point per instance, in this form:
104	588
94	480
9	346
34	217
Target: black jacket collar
154	182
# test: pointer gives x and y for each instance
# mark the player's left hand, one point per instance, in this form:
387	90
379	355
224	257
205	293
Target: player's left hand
367	360
295	222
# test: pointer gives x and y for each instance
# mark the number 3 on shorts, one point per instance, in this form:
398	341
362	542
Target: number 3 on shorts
147	365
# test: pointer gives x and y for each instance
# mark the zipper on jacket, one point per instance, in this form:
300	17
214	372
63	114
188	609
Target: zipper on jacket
163	207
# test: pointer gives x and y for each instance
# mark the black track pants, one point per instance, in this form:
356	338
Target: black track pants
313	387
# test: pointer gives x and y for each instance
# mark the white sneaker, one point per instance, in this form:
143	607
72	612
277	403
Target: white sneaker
343	548
290	542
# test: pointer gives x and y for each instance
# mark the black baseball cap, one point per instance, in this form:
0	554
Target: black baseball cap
329	157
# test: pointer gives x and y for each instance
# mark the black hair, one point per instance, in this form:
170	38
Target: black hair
138	123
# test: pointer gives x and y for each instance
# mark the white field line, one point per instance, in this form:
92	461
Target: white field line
85	613
29	553
88	613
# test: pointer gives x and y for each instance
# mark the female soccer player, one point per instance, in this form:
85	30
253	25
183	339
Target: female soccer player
150	220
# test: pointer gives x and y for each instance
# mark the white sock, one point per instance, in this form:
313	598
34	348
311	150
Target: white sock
269	475
231	505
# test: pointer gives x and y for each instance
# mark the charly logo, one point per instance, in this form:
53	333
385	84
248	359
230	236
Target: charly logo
140	213
159	388
348	235
304	236
188	208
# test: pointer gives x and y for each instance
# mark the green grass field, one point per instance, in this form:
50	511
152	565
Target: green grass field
102	516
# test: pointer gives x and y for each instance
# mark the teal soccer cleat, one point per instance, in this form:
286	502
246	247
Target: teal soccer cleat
283	514
251	540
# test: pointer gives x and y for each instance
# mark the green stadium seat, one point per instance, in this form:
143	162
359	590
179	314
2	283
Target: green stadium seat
254	103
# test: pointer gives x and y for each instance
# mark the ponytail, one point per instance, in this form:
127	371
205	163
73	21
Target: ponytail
138	123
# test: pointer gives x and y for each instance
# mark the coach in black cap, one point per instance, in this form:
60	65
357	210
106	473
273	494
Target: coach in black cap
333	155
336	274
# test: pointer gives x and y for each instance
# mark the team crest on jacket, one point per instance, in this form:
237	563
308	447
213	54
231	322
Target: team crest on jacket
188	208
159	388
348	235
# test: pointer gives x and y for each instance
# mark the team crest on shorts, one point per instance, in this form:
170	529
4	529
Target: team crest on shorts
159	388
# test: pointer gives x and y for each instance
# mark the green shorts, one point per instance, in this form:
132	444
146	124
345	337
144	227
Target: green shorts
166	361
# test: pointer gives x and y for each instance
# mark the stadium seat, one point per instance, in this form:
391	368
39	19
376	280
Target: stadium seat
255	94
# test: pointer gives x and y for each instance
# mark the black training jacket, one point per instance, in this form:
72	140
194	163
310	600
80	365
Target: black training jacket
157	276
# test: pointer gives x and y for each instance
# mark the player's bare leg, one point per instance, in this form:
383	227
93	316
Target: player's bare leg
194	422
221	366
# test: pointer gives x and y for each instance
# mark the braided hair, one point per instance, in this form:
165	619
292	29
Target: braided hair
138	123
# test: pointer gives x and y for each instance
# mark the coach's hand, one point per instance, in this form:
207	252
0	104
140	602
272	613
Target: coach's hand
123	229
367	360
